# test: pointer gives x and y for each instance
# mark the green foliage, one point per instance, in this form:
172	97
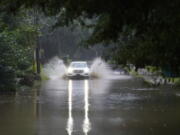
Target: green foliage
16	48
177	82
145	32
44	76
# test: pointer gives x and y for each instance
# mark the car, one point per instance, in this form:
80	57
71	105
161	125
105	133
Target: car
78	69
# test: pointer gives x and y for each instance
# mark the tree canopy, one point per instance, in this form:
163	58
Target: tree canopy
110	16
146	32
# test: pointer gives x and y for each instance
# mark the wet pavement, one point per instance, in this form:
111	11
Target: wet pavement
117	106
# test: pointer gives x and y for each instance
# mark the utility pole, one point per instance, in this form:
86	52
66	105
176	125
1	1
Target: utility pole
38	69
37	49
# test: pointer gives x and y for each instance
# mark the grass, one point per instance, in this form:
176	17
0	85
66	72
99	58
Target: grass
177	81
44	76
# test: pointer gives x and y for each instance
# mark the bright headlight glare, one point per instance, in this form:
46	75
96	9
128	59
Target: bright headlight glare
86	70
70	70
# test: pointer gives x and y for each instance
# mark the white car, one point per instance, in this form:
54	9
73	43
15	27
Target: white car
78	69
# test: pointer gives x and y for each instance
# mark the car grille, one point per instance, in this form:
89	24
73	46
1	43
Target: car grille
78	71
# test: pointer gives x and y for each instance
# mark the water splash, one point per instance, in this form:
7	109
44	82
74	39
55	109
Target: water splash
100	86
100	69
55	68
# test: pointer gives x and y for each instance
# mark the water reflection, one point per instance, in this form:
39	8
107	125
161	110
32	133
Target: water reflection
86	124
117	107
70	118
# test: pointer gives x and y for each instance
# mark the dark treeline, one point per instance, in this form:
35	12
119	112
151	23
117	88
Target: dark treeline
143	33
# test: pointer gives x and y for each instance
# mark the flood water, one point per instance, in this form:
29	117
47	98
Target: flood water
118	106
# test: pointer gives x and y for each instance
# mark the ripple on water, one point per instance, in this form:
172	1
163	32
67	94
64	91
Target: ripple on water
116	99
144	89
178	94
119	77
116	120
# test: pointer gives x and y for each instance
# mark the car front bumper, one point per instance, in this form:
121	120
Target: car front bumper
78	75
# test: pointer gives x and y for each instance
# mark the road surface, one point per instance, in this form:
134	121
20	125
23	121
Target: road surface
117	106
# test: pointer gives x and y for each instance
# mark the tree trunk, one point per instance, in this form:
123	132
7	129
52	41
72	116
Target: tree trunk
38	59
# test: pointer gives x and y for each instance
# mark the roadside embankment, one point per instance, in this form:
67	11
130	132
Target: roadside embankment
155	77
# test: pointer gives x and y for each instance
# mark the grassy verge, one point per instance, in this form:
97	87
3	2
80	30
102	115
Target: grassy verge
177	81
44	76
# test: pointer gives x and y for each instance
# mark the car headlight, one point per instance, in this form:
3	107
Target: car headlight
70	70
86	70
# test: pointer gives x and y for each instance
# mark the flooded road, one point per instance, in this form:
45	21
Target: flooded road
118	106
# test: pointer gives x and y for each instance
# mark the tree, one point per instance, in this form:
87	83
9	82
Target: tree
154	25
16	48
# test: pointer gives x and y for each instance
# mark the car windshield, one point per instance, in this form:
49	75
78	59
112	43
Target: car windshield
78	65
